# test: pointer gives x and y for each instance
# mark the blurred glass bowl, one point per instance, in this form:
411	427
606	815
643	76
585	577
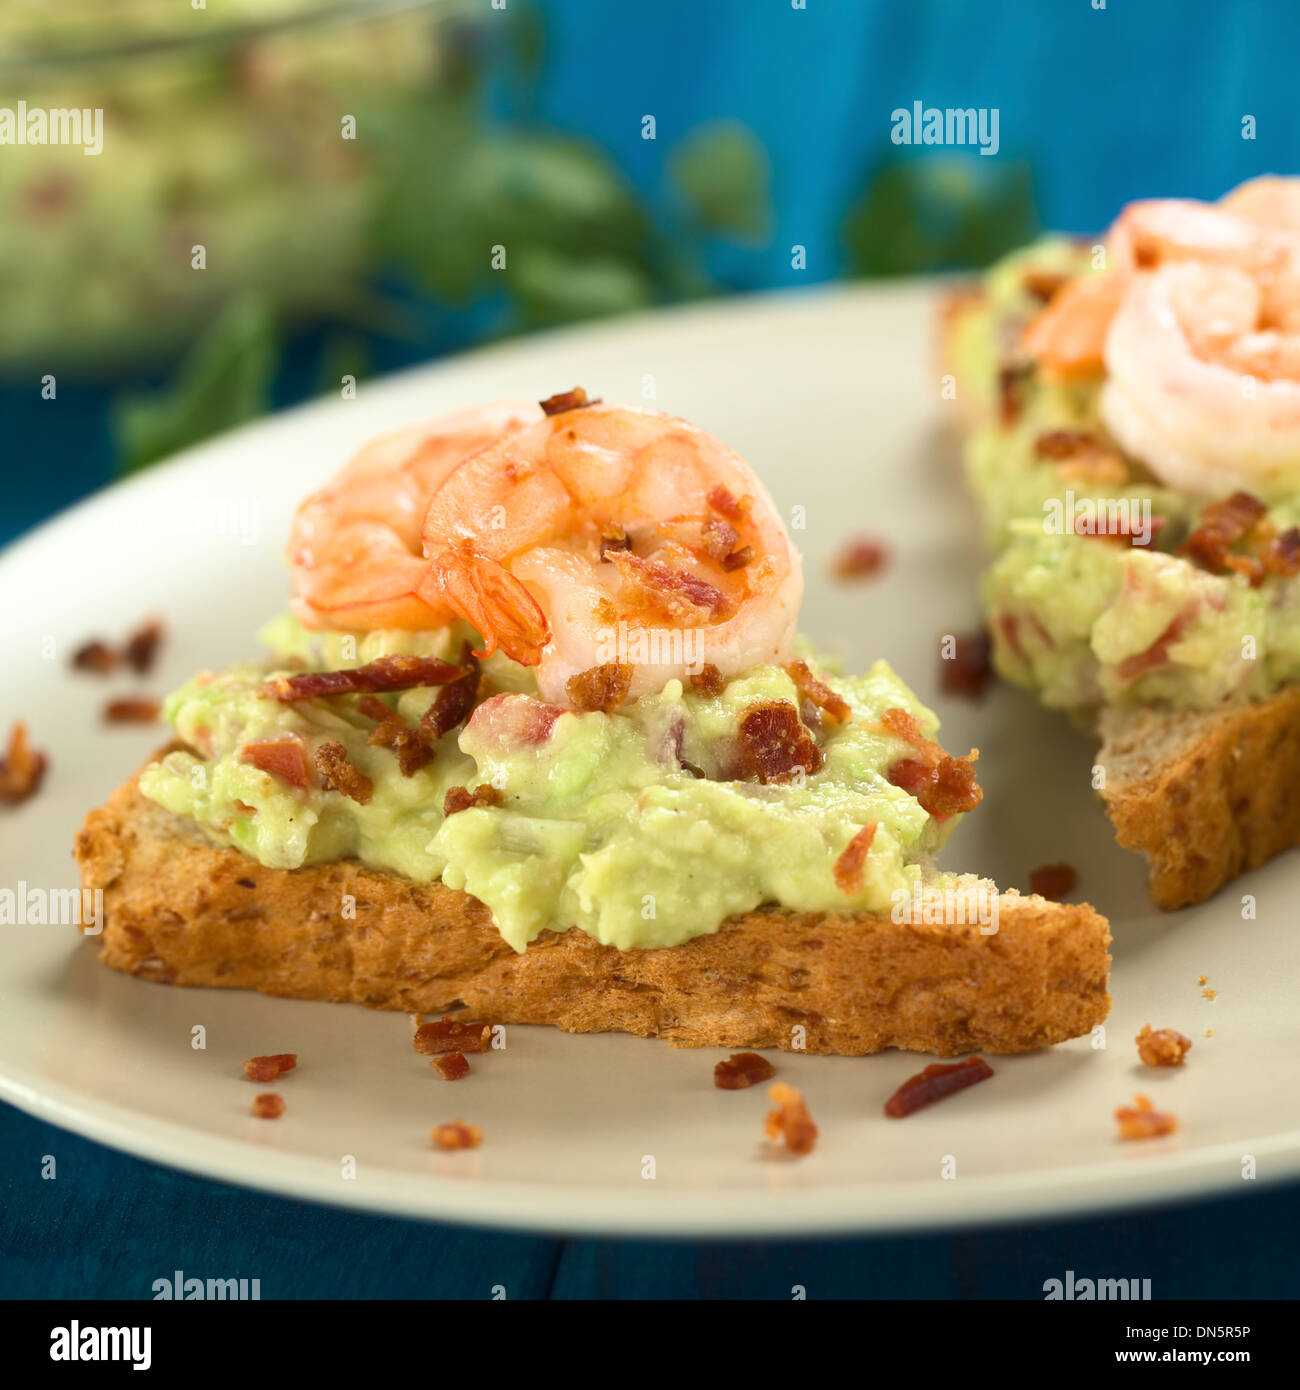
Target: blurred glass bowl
224	131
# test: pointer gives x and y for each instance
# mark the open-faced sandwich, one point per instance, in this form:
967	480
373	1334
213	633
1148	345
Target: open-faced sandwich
538	739
1134	409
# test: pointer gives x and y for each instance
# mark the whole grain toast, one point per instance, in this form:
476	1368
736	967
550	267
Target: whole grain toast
180	910
1204	795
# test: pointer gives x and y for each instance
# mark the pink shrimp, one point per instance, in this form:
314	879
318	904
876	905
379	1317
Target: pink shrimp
611	535
354	547
1255	228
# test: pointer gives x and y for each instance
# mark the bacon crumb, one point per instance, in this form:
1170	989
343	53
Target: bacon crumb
859	558
383	674
452	1035
456	1135
727	504
132	709
936	1082
455	701
95	656
708	680
602	688
567	400
1043	284
268	1068
738	559
339	775
268	1106
462	799
1011	383
944	785
680	595
1053	881
773	744
22	767
720	537
451	1066
1142	1120
614	537
742	1070
142	647
848	867
1222	525
1162	1047
790	1121
285	758
833	708
392	731
968	670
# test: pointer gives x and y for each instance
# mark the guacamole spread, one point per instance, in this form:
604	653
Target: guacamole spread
632	825
1095	596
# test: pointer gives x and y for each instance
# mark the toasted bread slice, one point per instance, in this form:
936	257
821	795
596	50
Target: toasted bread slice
181	910
1204	795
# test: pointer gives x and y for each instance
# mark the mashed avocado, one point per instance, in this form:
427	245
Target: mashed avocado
1080	619
621	824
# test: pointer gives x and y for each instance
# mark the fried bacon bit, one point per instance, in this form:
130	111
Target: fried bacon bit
967	671
453	1035
708	680
1142	1120
95	656
268	1068
142	647
790	1121
567	400
384	673
742	1070
455	701
944	785
859	558
1043	284
738	559
614	537
680	595
848	867
456	1135
1011	383
726	504
1081	455
1220	526
720	537
937	1081
1053	881
1283	553
285	758
451	1066
462	799
132	709
602	688
773	743
834	709
392	731
339	775
21	768
1162	1047
268	1106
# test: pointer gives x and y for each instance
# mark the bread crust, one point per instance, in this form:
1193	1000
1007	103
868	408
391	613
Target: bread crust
1203	795
180	910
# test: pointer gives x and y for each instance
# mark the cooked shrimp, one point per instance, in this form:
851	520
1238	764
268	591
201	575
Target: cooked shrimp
607	531
1199	385
1255	228
354	547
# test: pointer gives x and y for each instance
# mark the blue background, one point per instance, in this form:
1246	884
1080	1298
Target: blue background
1136	99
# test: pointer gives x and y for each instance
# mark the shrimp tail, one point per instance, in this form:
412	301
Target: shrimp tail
1069	337
494	603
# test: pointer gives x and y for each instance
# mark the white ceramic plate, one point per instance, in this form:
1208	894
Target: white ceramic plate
833	399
